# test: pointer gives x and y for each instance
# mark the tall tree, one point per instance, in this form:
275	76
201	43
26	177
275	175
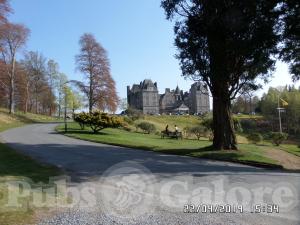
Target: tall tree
93	62
4	11
226	44
291	36
62	80
52	76
12	38
35	64
74	99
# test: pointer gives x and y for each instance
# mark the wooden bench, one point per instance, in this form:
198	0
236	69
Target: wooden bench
170	134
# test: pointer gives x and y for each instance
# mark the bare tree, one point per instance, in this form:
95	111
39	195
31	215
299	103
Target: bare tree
52	76
12	38
34	64
4	10
93	62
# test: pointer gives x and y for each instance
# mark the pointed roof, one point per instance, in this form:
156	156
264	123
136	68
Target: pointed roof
177	90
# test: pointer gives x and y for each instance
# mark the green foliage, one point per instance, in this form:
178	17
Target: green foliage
82	119
207	37
134	114
278	138
199	131
255	138
237	125
126	126
207	122
128	120
290	116
186	132
248	125
146	127
291	37
97	120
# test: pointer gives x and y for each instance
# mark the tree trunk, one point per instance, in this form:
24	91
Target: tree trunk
91	93
11	96
36	102
26	98
223	127
12	88
224	135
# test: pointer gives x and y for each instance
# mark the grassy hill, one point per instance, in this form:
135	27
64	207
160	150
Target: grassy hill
183	121
19	118
160	122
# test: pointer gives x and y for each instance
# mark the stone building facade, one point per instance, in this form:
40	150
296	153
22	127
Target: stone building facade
145	97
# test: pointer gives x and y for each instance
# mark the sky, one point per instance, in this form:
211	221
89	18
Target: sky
138	38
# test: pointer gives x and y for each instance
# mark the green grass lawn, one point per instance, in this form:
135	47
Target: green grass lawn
16	166
248	153
182	121
293	149
18	119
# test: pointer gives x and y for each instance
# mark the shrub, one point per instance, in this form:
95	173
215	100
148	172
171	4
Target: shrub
81	118
157	133
199	131
146	127
126	127
237	125
128	120
98	120
134	114
267	135
248	125
207	122
278	138
255	138
186	132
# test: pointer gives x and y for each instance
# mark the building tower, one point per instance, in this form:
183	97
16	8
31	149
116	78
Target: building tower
199	99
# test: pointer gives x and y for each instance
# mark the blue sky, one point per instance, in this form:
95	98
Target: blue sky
138	38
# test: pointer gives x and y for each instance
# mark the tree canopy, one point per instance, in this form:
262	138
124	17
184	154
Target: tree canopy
228	45
93	62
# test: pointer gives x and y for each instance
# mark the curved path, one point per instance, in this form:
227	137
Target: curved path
151	188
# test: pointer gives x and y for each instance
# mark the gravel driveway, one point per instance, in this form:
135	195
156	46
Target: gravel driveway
125	186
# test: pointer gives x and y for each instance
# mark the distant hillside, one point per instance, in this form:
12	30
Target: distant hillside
19	118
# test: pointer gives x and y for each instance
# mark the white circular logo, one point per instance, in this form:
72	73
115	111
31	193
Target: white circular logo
127	190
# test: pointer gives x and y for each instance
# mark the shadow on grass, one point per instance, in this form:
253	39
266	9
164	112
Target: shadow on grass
207	151
187	151
14	163
71	131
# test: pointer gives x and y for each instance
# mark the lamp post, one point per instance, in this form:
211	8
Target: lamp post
65	119
66	103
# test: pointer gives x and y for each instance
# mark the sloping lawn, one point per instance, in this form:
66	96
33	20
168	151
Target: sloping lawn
8	121
181	121
15	166
293	149
248	153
